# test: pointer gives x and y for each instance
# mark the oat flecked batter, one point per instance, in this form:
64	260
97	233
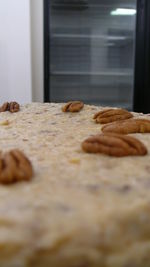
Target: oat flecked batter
79	209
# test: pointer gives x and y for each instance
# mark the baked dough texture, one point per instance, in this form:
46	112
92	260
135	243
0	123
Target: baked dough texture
79	209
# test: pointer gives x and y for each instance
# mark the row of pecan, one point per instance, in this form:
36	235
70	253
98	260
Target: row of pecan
118	120
121	121
111	141
12	107
14	165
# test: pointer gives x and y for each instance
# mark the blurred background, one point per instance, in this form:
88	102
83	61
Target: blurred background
92	46
21	50
59	50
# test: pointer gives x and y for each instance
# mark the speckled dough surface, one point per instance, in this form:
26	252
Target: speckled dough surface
79	210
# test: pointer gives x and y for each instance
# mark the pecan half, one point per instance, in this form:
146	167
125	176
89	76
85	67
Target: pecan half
114	145
14	166
73	106
110	115
128	126
4	107
14	107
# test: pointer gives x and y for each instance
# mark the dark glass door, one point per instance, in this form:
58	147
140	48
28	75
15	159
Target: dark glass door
90	50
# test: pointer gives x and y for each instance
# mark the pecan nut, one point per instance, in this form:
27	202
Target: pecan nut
14	166
14	107
110	115
4	107
128	126
114	145
73	106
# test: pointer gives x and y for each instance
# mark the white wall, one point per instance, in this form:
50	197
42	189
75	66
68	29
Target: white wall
15	51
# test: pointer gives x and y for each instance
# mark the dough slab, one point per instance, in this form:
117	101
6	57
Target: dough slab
79	209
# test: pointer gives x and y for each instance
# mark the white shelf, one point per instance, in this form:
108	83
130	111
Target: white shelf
80	73
92	36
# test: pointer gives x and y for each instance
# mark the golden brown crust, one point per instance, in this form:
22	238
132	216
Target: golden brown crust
110	115
73	106
14	166
128	126
114	145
